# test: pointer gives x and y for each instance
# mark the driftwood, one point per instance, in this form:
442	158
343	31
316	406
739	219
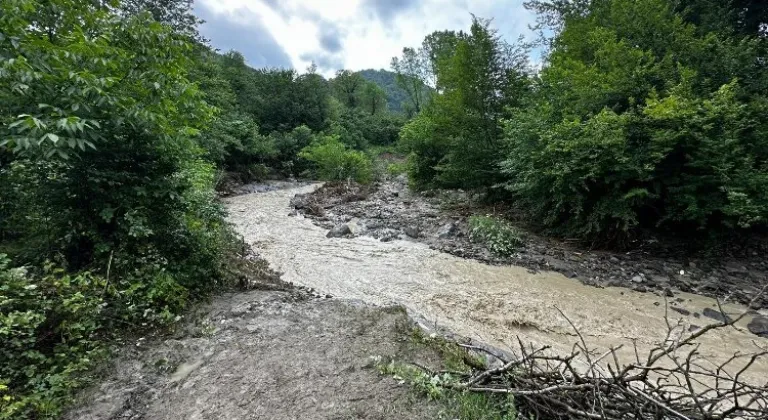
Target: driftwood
671	381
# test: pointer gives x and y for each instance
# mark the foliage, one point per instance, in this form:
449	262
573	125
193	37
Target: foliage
455	141
101	172
373	99
398	101
49	326
414	71
335	162
641	119
500	237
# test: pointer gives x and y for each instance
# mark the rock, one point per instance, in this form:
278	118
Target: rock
339	231
693	328
681	311
412	231
355	228
716	315
759	326
669	293
300	201
614	260
736	269
447	230
637	279
641	289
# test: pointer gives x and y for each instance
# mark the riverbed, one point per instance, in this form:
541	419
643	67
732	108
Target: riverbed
491	304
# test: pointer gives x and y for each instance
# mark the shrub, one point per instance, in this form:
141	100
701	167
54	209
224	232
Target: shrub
499	236
397	168
50	327
681	162
334	162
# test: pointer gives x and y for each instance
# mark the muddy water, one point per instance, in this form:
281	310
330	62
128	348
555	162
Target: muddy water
489	303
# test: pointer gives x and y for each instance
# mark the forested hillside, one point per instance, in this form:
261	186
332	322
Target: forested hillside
119	122
398	99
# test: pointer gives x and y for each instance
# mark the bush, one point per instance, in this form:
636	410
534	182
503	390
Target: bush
499	236
50	327
682	163
334	162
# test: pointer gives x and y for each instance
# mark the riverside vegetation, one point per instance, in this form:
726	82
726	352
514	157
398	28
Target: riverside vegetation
119	123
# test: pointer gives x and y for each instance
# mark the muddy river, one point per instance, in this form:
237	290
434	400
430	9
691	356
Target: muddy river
492	304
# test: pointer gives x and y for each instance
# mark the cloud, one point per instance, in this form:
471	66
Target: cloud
229	31
330	37
386	10
351	34
326	63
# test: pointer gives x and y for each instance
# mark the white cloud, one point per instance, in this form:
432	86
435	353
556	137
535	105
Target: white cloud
370	32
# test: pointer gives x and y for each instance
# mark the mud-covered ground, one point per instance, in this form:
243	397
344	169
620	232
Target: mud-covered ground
389	211
266	355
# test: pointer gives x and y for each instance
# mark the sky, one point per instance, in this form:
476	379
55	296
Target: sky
344	34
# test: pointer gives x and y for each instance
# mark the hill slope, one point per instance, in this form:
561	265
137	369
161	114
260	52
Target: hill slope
396	96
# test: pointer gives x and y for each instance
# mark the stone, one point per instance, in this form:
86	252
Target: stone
339	231
355	227
693	328
637	279
614	260
412	231
716	315
681	311
759	326
447	230
300	201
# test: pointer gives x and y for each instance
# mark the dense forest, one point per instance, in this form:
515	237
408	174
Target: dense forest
119	122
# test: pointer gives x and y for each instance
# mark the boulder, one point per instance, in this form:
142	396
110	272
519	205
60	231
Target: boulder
716	315
339	231
355	227
759	326
300	201
447	230
412	231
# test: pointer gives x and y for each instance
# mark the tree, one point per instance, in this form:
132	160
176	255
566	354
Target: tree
477	80
373	98
641	119
347	86
175	13
413	73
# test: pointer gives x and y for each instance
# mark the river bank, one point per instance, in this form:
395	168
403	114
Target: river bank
390	211
310	351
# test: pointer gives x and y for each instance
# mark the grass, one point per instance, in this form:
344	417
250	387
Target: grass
499	236
457	363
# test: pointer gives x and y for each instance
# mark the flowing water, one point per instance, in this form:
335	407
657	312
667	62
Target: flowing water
493	304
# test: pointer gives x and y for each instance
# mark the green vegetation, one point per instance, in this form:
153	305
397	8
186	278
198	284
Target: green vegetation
456	362
118	120
499	236
335	162
645	115
116	124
